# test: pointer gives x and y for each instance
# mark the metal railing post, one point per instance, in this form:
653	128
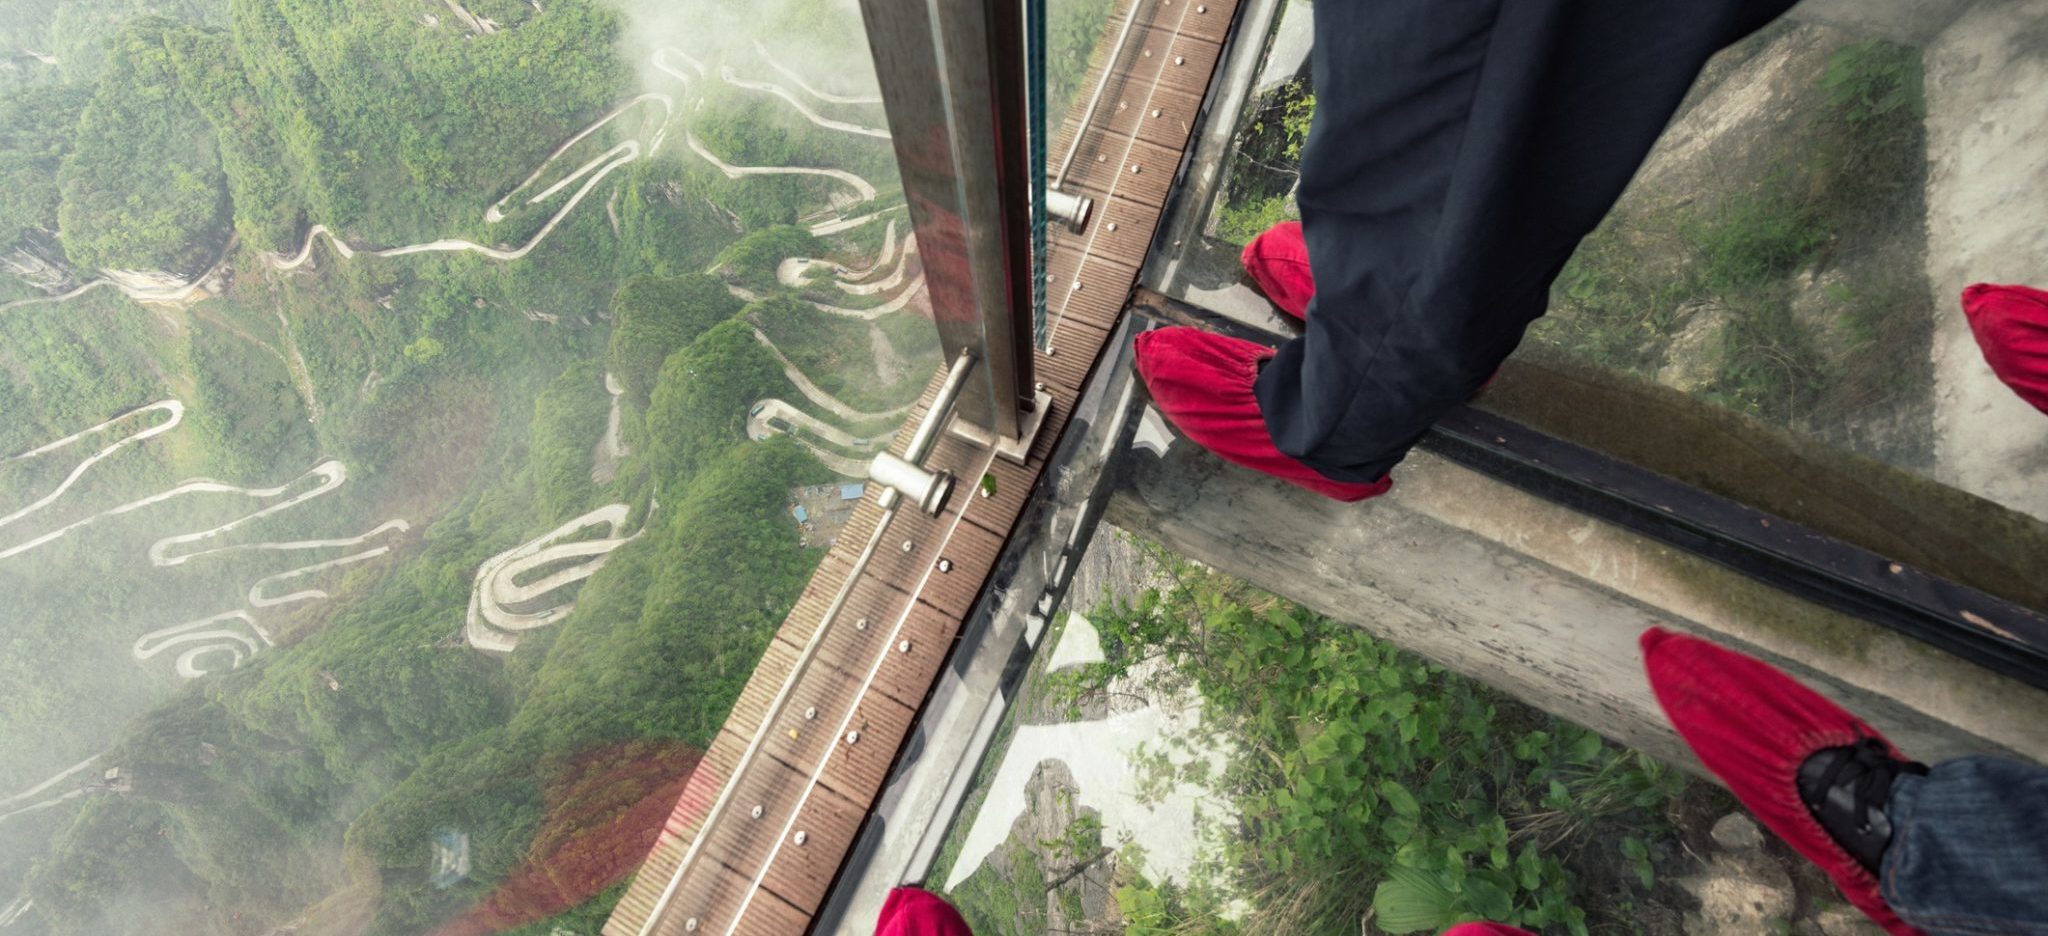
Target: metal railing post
952	81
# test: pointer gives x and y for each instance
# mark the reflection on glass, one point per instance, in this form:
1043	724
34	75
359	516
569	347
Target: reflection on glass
1192	754
414	421
1793	250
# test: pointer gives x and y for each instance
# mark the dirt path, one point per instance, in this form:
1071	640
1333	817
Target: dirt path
604	460
302	376
1987	190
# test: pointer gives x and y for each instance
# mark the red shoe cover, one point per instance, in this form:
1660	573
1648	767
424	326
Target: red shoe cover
1203	383
910	911
1277	259
1486	929
2011	325
1753	726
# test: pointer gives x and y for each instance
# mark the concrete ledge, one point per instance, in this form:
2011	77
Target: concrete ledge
1546	604
1913	22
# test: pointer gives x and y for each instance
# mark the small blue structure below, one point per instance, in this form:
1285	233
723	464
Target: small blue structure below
802	515
852	491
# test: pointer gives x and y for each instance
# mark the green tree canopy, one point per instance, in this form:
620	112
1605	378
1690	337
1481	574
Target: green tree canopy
653	316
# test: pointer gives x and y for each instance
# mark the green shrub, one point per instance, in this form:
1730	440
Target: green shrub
1365	776
653	316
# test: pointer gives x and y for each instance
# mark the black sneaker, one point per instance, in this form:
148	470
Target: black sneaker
1847	789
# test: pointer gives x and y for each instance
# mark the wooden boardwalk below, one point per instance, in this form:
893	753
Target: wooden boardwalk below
766	862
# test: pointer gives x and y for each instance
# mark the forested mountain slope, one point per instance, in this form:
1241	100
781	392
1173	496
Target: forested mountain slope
312	314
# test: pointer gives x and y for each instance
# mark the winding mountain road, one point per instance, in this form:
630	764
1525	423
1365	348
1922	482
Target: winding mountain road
174	407
730	77
503	604
797	271
763	412
170	551
592	173
761	425
816	395
26	802
257	598
213	635
860	186
798	80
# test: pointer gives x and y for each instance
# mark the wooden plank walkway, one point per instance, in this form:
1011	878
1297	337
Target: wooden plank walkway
766	863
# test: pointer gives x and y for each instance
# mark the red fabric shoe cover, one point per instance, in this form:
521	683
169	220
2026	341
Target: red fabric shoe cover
1277	259
911	911
1203	383
1753	726
2011	325
1486	929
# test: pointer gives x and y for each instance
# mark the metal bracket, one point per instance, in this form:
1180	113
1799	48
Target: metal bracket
906	476
1015	451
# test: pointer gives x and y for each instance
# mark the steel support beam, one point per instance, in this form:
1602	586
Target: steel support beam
952	82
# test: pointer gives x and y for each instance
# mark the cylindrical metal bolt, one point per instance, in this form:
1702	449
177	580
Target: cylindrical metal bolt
908	546
800	838
1155	112
1201	9
861	624
690	925
1180	60
1112	225
811	713
758	810
945	565
852	737
1135	168
903	647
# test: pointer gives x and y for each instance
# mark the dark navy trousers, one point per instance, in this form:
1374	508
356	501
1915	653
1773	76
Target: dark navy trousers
1459	152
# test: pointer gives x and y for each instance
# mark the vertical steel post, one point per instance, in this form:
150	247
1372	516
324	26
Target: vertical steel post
952	80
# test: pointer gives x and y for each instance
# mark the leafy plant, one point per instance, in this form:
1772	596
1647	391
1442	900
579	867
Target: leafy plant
1638	854
1411	901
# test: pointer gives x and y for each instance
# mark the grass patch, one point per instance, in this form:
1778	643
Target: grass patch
1807	267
